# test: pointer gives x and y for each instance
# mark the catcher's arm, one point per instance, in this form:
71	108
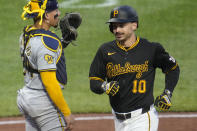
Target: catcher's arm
54	91
68	25
163	102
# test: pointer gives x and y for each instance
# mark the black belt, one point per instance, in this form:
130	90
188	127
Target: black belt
128	115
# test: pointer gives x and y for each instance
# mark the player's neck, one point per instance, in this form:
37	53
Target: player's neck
44	25
129	42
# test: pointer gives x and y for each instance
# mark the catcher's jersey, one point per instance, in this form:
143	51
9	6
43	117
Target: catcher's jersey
43	52
134	69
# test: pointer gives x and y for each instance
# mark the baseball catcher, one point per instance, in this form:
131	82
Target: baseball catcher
41	100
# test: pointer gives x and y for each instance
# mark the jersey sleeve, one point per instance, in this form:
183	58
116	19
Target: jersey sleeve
163	60
47	56
97	68
53	89
46	60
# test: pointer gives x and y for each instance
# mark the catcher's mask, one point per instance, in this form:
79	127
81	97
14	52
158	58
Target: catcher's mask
37	8
122	14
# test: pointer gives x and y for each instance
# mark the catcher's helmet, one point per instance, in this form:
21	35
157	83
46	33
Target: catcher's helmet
51	5
123	14
37	8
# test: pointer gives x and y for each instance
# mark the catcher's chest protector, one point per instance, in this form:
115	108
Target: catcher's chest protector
51	41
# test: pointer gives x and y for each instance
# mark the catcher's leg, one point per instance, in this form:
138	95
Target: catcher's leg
30	124
52	122
39	111
48	117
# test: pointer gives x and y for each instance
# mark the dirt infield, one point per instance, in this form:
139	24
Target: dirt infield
104	122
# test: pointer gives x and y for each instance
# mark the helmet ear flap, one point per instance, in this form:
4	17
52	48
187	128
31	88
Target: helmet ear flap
111	28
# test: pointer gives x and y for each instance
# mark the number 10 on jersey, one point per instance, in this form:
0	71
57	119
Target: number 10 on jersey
139	86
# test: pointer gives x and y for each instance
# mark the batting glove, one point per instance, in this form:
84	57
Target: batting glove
111	88
163	101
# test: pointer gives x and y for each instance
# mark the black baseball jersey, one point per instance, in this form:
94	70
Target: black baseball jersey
134	68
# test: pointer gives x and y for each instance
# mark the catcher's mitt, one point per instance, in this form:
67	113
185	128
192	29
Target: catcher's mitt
111	88
163	101
68	25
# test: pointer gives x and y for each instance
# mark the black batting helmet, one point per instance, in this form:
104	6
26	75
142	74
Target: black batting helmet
123	14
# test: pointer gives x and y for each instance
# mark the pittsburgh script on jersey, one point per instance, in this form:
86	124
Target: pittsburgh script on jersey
117	69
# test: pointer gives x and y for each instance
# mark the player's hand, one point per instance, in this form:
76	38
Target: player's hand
69	122
163	101
111	88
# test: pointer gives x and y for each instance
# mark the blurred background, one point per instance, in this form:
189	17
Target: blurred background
173	23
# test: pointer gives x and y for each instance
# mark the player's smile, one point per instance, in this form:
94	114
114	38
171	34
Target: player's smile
119	35
122	31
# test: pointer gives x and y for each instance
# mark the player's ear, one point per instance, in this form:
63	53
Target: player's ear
134	26
46	15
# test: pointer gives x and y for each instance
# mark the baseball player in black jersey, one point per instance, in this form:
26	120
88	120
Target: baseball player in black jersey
125	70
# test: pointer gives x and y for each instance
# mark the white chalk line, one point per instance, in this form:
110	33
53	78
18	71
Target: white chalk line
71	4
105	118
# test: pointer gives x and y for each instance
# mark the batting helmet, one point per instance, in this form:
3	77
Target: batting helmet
36	8
122	14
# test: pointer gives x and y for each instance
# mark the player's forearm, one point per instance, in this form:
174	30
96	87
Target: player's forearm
171	79
95	86
54	91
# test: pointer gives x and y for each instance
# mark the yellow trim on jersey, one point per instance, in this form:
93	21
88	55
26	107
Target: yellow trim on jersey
96	78
54	91
46	45
60	45
60	119
173	68
131	47
47	36
148	121
47	70
29	28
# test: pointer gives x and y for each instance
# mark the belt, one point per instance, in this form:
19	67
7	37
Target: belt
124	116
